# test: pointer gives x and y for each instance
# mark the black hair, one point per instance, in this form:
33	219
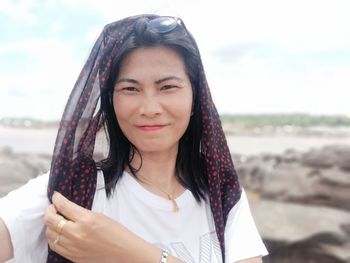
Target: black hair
189	164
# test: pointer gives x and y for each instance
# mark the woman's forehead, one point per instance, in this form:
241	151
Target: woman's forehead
158	60
155	52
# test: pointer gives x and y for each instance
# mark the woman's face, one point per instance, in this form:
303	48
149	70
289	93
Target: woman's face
153	99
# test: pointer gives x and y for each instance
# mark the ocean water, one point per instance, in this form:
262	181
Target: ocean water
43	140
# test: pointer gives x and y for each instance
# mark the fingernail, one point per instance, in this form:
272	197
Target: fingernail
55	193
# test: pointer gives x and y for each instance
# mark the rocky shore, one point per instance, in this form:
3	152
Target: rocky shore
301	203
300	200
18	168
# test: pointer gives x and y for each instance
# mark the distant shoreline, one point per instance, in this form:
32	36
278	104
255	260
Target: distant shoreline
248	142
237	121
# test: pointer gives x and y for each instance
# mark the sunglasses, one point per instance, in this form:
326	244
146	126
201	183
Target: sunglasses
164	24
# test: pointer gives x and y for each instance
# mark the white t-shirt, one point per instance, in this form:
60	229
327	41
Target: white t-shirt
188	234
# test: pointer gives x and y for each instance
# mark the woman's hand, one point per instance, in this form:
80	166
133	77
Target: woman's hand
251	260
86	236
91	237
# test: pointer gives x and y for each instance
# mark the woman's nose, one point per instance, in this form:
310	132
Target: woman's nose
151	106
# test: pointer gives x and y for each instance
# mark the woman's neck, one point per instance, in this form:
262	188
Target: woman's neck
158	168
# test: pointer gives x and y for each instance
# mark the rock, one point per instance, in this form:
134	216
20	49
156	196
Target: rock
303	233
253	172
290	155
297	183
6	150
300	201
291	178
328	156
17	169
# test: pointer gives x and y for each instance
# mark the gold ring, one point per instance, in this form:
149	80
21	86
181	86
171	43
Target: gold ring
60	226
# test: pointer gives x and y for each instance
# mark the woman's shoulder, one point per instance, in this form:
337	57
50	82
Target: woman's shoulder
242	234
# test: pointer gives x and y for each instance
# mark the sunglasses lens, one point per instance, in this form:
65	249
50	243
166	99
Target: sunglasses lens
163	24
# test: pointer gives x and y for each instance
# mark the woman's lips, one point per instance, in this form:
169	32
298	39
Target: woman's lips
151	127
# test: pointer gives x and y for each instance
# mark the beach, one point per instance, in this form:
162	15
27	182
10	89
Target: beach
42	140
297	183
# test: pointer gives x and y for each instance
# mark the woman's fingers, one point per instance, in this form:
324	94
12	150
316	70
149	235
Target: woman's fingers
53	220
68	209
59	243
51	217
67	226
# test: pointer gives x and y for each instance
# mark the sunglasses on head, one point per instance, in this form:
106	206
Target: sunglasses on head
164	24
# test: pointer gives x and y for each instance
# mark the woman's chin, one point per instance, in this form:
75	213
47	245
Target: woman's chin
157	149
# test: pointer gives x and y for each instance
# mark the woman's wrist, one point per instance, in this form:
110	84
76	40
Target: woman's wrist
137	250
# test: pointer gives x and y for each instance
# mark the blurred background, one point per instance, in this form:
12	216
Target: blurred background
279	73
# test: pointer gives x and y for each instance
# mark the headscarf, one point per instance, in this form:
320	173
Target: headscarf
73	170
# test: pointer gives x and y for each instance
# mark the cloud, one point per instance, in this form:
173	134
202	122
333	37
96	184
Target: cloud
293	25
268	85
233	53
260	56
45	83
19	11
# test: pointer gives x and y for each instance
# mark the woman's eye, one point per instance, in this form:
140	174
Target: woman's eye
129	89
168	87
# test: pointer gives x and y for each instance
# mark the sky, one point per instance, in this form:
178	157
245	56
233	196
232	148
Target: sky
260	56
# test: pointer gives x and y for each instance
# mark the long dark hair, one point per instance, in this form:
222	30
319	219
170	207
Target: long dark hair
189	168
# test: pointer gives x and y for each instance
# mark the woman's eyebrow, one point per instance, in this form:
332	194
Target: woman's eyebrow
167	78
127	80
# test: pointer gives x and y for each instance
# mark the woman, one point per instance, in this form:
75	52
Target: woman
167	190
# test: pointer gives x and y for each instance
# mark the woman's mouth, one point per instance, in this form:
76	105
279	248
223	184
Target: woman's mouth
151	127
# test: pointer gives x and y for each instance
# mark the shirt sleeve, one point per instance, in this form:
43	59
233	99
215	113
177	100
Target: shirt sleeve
242	239
22	211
